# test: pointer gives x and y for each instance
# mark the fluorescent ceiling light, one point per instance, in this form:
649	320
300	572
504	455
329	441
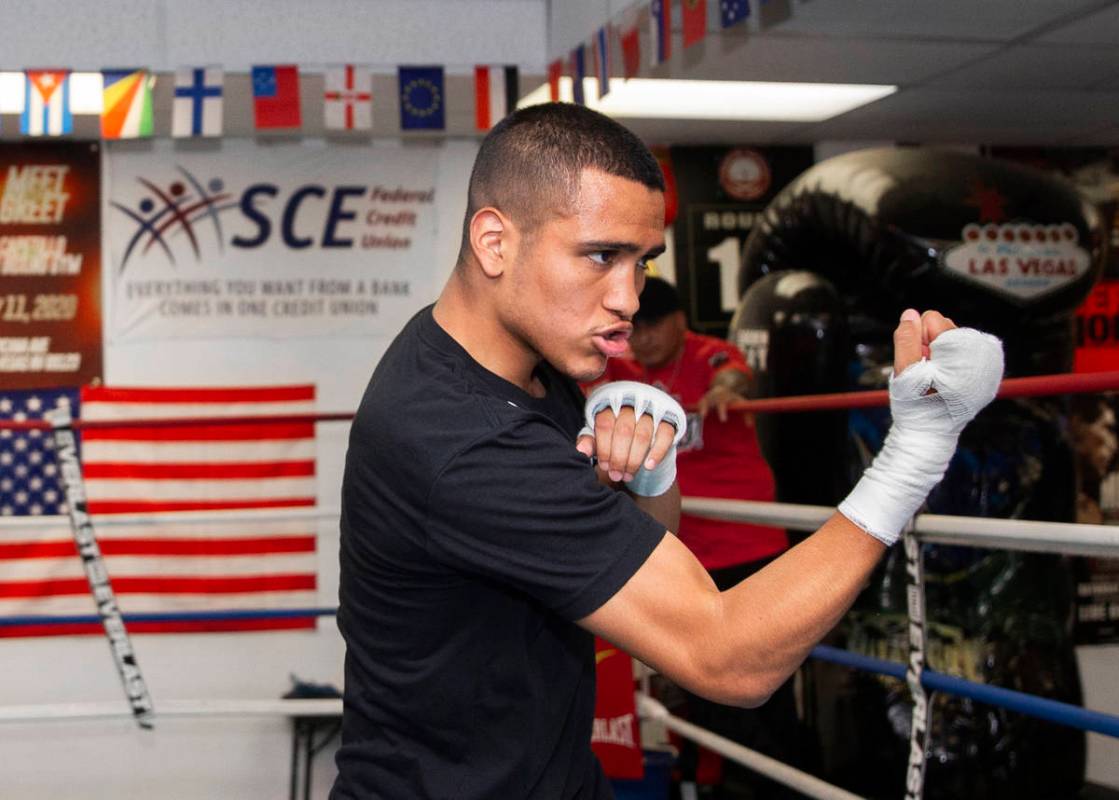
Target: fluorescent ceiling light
725	100
86	92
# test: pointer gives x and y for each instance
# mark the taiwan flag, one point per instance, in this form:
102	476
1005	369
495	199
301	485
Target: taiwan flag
276	97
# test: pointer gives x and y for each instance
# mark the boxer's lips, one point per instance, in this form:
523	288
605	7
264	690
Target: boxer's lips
613	342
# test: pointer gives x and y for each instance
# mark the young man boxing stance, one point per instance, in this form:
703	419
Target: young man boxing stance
481	548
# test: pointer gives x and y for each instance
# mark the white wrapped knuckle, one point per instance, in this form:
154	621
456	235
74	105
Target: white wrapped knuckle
643	398
969	366
965	370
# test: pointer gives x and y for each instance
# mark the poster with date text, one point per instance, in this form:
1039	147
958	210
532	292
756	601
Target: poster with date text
50	264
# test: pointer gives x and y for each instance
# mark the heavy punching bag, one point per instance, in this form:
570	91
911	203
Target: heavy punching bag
997	246
792	328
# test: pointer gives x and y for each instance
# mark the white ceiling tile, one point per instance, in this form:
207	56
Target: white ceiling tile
677	131
1101	27
981	116
987	20
1033	66
775	57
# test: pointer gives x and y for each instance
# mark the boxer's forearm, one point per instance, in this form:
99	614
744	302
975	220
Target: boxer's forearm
664	508
770	622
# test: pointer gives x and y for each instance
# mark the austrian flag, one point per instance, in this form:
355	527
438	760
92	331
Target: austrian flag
348	99
496	92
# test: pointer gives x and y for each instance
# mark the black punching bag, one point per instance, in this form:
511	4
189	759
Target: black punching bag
994	245
792	328
1010	250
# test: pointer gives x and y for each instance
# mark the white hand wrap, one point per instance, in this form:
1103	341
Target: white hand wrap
644	399
965	369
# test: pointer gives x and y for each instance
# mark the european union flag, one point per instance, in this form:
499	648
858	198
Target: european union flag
422	100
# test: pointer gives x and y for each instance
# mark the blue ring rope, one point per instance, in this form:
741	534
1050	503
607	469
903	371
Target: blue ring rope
1043	708
178	616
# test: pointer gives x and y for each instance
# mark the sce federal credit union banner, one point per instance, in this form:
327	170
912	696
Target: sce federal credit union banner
50	264
282	240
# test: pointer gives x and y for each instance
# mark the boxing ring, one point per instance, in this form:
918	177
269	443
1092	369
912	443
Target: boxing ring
1020	535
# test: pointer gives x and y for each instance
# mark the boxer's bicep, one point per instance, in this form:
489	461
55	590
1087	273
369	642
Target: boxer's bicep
670	615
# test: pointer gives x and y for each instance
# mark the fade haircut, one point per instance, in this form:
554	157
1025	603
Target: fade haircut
529	165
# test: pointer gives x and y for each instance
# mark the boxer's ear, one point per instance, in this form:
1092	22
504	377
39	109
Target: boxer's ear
489	241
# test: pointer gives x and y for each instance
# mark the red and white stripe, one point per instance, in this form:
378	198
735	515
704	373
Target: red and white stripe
181	566
491	95
201	466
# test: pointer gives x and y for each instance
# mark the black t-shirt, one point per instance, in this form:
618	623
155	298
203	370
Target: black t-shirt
473	535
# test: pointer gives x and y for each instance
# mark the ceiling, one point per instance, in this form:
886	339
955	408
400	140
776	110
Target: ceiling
1013	72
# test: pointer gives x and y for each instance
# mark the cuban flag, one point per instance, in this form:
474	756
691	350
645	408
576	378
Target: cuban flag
660	31
197	107
602	61
46	103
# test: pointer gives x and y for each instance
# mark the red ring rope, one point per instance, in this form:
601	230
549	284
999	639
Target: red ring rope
1037	386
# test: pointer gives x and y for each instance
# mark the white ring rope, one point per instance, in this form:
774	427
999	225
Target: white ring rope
809	785
1069	538
54	712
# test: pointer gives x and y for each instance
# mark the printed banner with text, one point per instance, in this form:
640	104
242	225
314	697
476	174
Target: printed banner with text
50	264
276	241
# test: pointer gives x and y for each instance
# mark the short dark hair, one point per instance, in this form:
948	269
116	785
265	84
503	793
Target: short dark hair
658	299
530	163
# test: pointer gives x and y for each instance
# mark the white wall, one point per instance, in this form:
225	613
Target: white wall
165	34
243	758
223	757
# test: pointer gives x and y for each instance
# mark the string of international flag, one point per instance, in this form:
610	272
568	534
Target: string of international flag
277	104
347	99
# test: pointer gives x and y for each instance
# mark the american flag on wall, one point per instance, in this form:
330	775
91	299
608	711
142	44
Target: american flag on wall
224	570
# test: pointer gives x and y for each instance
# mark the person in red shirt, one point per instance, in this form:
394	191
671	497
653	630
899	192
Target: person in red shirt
719	457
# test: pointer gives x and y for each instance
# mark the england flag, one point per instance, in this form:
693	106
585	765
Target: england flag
348	99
